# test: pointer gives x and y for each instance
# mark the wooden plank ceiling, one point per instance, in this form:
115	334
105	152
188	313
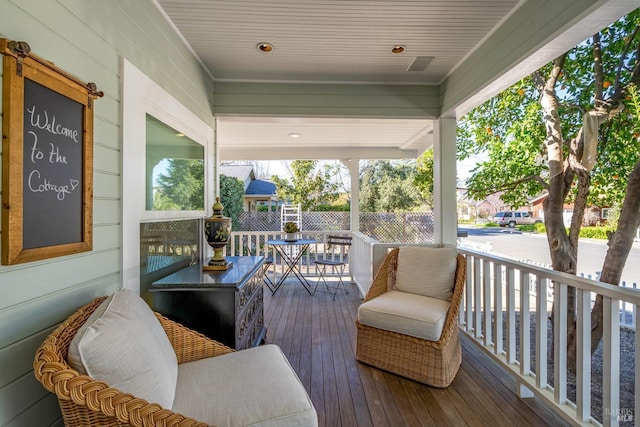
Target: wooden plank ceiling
334	40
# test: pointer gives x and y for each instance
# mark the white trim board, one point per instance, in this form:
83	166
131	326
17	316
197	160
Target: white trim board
141	95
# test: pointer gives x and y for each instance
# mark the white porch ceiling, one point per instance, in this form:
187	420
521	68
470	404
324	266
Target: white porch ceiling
334	40
245	138
346	41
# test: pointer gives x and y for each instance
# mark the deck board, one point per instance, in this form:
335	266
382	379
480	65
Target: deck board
318	334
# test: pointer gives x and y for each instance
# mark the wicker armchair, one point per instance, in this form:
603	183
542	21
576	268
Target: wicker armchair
435	363
86	402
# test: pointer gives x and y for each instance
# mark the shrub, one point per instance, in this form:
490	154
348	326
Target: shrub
265	208
597	232
332	208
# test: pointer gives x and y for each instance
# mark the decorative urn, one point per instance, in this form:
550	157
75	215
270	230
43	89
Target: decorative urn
217	229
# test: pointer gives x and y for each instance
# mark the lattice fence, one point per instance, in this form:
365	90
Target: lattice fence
258	221
398	227
387	227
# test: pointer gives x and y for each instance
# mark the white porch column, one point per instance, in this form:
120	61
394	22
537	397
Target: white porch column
215	171
353	164
444	181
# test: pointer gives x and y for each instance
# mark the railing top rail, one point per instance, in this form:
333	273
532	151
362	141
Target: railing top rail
605	289
261	233
364	237
373	241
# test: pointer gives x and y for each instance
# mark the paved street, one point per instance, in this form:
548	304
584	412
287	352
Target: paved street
534	247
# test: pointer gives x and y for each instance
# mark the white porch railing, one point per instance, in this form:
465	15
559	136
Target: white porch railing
254	243
500	319
627	311
367	254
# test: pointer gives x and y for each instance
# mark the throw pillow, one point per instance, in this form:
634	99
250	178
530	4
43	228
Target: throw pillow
125	346
426	271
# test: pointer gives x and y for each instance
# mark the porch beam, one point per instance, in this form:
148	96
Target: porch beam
261	152
527	40
326	100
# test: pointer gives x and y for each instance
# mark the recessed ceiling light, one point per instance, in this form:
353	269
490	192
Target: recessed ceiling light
398	48
179	134
294	135
265	47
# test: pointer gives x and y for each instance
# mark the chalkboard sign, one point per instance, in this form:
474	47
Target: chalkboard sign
47	151
52	168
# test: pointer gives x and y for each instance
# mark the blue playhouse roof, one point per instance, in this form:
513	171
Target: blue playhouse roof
260	187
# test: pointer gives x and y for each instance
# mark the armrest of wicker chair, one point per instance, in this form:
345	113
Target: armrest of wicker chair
188	344
388	268
451	321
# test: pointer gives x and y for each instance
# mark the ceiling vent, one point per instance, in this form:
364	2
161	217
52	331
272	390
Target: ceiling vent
420	63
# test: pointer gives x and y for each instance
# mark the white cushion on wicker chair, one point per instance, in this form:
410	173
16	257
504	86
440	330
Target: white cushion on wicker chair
426	271
405	313
256	386
123	344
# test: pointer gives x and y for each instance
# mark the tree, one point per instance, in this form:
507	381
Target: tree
571	129
181	187
309	185
423	179
389	186
231	197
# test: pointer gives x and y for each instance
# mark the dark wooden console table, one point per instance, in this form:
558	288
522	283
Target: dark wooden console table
224	305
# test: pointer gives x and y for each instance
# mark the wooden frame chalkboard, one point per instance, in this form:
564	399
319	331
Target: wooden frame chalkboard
47	158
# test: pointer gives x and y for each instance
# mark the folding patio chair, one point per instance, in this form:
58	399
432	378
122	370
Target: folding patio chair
343	242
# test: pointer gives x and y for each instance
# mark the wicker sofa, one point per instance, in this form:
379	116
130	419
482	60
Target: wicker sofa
116	363
406	329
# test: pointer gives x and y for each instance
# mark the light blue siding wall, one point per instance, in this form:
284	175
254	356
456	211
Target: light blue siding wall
87	38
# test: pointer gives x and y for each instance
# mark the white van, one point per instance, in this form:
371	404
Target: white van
513	218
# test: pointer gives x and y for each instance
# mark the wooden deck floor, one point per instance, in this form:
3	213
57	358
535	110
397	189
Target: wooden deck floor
318	336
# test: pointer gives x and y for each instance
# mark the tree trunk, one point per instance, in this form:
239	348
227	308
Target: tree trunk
619	246
563	255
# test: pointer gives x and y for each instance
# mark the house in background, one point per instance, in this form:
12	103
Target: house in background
469	208
594	214
256	191
538	210
492	204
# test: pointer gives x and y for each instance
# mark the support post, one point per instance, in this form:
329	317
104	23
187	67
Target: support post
444	181
353	164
